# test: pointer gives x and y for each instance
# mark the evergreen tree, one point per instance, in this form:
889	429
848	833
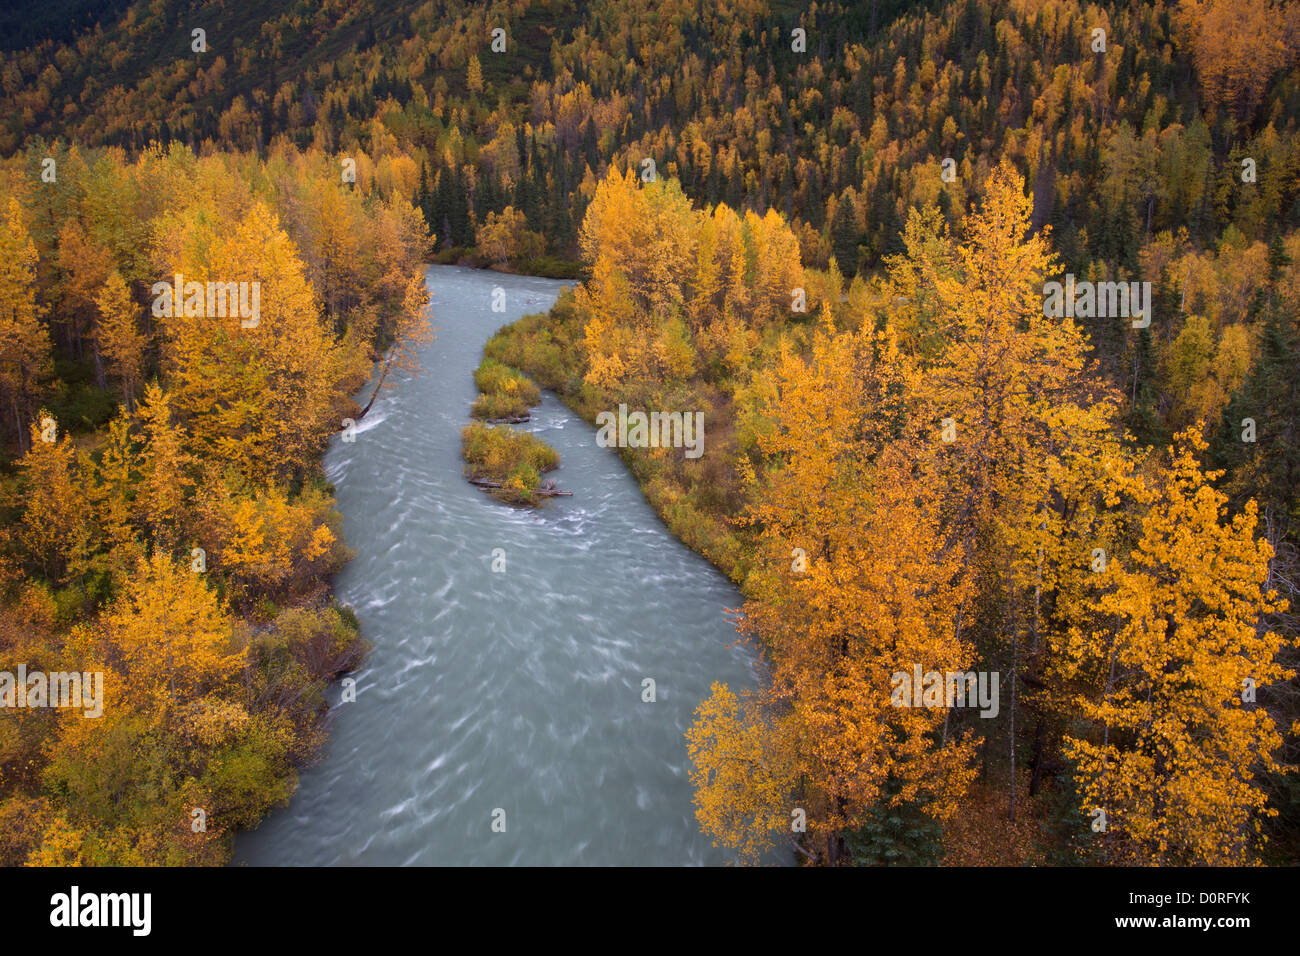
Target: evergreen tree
1143	419
1267	469
845	236
590	145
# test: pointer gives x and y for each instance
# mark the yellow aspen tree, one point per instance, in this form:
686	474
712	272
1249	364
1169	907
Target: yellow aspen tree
1020	423
1009	374
118	336
608	341
702	309
406	324
170	636
854	585
261	396
60	845
667	248
745	772
1180	643
648	231
161	502
333	243
24	340
55	519
778	270
85	264
111	490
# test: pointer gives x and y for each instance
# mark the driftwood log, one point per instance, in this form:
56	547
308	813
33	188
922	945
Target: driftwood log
511	420
545	490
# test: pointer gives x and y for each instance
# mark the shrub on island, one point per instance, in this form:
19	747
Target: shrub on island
506	462
506	393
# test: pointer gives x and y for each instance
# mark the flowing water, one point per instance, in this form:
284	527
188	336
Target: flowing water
516	690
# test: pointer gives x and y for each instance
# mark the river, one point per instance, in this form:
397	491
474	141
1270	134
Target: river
516	690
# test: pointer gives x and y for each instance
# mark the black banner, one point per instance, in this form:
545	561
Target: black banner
330	906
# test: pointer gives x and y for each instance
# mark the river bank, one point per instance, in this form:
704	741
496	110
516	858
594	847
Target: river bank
546	348
543	267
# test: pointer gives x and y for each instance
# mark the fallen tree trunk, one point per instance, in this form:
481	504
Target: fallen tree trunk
383	374
544	492
512	420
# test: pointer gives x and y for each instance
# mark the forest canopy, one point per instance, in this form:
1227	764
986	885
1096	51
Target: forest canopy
830	229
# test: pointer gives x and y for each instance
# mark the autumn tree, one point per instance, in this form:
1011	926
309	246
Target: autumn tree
85	265
1238	45
1020	426
745	772
55	523
260	393
169	634
504	236
118	336
24	341
161	502
842	601
1178	738
111	485
647	231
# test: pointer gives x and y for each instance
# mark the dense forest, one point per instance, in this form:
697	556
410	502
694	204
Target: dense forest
830	228
166	522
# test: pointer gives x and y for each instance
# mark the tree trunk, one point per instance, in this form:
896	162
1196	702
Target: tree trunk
100	379
1036	777
383	374
24	444
1011	813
